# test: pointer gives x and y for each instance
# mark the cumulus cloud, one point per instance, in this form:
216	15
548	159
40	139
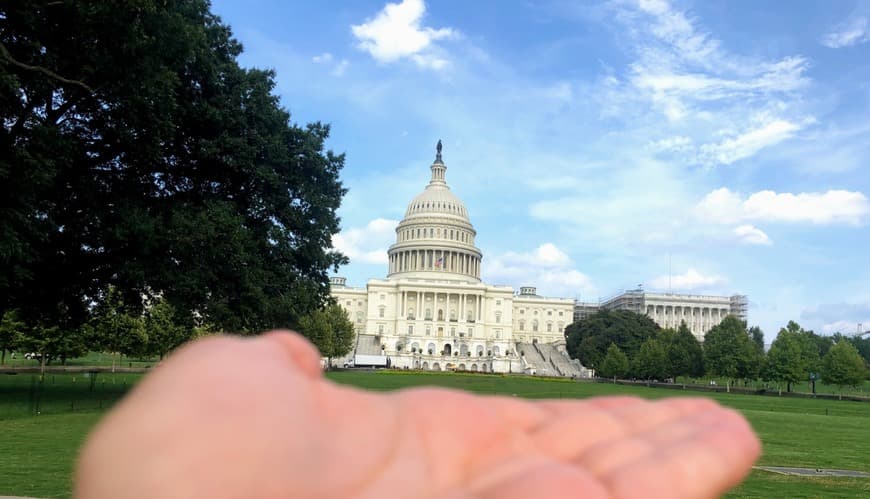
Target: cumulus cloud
547	267
691	280
750	234
852	32
396	33
831	207
367	244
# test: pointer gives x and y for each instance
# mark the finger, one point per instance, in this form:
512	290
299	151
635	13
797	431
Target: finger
704	463
537	477
300	353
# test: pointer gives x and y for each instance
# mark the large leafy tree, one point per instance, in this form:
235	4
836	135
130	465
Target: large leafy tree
785	360
164	329
729	351
615	364
10	333
139	154
331	331
685	357
651	361
589	338
843	366
117	329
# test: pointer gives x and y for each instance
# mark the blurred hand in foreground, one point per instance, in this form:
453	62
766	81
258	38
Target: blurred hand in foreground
230	417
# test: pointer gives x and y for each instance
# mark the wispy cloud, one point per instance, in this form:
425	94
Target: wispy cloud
748	143
852	32
831	207
396	32
690	280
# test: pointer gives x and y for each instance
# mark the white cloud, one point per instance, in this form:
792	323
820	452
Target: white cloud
671	144
547	267
396	33
323	58
692	279
831	207
748	143
340	68
750	234
851	33
367	244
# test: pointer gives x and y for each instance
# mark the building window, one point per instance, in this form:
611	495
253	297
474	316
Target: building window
522	325
522	311
348	303
383	297
498	302
380	329
549	327
535	325
498	317
428	314
550	312
453	331
440	314
410	329
381	312
536	312
428	330
560	313
359	316
470	332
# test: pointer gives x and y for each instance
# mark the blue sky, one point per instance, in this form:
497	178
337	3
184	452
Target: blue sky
592	143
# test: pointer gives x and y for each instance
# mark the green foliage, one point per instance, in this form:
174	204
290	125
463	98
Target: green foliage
589	339
163	328
10	333
53	342
117	330
785	360
615	364
730	352
138	154
651	361
330	329
685	357
843	366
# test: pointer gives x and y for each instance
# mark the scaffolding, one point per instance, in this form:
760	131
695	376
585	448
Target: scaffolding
739	306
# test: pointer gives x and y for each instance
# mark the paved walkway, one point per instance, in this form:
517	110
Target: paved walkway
813	471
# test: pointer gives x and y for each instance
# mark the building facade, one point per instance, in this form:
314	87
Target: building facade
669	310
433	312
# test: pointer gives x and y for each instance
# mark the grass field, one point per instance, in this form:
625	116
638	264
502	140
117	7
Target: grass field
37	452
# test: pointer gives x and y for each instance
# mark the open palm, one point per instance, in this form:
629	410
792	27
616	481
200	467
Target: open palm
228	417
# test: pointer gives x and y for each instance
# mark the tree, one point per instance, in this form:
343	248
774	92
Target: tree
843	366
757	336
331	331
163	328
116	330
729	352
615	364
139	154
589	338
685	357
10	333
651	361
785	360
52	342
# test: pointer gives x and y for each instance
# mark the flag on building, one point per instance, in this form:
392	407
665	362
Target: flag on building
439	262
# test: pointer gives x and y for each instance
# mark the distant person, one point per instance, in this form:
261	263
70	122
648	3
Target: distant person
230	418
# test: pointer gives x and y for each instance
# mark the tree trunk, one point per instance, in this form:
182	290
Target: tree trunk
42	365
789	387
728	386
3	357
113	362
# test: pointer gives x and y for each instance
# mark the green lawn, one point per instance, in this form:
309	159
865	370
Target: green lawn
37	452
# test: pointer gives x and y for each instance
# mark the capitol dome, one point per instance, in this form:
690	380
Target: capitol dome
436	238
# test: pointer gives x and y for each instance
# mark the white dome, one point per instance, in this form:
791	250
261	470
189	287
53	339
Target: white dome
436	238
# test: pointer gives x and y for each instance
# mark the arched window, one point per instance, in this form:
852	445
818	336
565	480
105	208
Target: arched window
431	348
495	350
440	314
453	314
535	325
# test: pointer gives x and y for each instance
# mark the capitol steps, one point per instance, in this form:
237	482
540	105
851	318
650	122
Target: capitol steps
368	344
560	362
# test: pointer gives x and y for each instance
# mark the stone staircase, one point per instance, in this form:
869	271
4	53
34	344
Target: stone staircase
368	344
560	362
535	360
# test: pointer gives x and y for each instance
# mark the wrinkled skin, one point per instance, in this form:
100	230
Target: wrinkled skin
228	418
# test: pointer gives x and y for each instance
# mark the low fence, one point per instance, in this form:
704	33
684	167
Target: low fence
733	389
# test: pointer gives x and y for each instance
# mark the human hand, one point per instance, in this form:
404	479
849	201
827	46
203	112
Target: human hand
229	417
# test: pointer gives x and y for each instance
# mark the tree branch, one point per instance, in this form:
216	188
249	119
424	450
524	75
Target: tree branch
51	74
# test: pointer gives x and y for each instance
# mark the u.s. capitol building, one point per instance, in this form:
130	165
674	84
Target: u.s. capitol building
433	312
